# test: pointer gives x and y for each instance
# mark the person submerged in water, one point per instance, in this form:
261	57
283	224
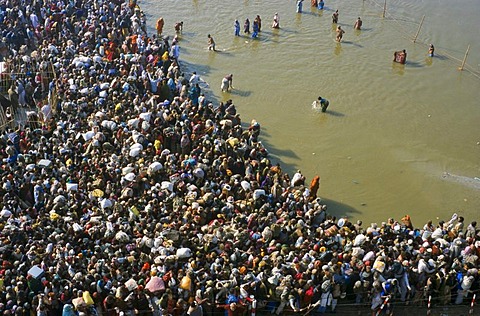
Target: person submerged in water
321	103
400	57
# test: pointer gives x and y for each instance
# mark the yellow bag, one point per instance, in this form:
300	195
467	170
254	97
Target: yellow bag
134	210
185	283
157	144
54	216
379	266
87	298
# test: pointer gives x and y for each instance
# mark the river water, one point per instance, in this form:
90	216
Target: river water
392	132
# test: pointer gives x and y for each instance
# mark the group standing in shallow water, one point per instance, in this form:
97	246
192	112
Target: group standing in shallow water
256	27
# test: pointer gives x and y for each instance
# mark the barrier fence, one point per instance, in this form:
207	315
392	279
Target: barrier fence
347	309
6	120
13	116
427	305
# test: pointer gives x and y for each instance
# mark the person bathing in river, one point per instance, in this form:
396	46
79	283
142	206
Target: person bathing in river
236	26
358	24
335	17
431	50
246	26
321	103
259	22
159	27
227	83
179	27
321	4
255	29
211	43
299	6
340	33
276	21
400	57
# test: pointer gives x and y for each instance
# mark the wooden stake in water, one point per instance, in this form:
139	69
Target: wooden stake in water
464	58
384	8
419	27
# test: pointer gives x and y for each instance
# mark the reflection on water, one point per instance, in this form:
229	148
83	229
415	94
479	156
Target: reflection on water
393	129
429	61
398	69
338	49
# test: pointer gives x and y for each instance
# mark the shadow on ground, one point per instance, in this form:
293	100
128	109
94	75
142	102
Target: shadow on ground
339	209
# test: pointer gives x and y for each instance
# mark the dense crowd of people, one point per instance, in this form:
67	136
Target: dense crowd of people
137	195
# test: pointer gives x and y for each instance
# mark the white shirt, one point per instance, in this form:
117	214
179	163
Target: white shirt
34	20
175	51
194	79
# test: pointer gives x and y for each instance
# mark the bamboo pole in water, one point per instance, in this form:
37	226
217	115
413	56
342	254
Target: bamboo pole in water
419	27
384	8
464	58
